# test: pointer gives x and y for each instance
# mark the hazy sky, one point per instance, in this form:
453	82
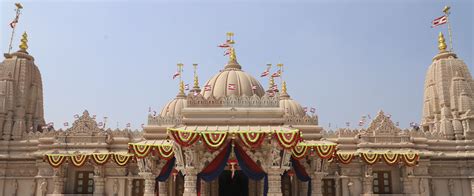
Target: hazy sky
345	58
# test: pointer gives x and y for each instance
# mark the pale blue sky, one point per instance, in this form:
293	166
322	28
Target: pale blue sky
346	58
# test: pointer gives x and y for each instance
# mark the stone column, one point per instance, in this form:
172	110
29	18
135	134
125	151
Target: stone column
368	185
58	181
149	183
99	182
274	181
317	183
303	187
163	188
190	182
204	191
472	185
129	186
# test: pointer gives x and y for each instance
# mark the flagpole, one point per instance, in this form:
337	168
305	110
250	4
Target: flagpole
446	11
17	16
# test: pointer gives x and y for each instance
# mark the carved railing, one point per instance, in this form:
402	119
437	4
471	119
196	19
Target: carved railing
233	101
305	120
158	120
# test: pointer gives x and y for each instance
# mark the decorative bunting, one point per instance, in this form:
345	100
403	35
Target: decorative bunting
300	151
184	138
252	139
122	159
56	160
325	151
288	139
410	159
345	158
100	159
141	151
214	140
370	158
78	160
390	158
165	151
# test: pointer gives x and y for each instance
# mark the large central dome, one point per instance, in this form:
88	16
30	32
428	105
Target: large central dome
232	81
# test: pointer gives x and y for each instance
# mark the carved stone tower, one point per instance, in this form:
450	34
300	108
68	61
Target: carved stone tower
448	93
21	94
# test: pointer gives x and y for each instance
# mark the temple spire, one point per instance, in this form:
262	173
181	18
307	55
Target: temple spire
230	50
441	43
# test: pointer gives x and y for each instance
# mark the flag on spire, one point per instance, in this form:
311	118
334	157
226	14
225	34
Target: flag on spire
186	87
439	21
207	87
231	87
176	74
14	22
276	74
312	110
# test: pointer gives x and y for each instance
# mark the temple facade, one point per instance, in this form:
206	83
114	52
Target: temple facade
233	136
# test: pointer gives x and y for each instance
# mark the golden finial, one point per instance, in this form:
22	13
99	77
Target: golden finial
18	6
24	42
181	87
446	9
442	44
230	38
283	88
196	80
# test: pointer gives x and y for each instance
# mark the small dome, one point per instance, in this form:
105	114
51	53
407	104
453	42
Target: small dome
174	107
290	106
232	77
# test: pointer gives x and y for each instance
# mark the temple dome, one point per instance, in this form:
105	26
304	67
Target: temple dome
232	76
290	106
174	107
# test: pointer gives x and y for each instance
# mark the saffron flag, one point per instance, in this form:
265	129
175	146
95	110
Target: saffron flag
176	74
439	21
231	87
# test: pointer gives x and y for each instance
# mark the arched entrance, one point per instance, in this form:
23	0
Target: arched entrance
237	186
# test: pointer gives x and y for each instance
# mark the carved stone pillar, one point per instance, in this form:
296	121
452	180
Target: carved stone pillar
149	183
163	188
129	186
303	187
99	182
204	191
368	181
274	181
58	180
472	185
190	182
317	183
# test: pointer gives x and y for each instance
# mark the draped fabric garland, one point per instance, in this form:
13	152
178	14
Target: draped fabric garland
78	160
215	139
216	166
390	158
163	150
164	173
301	173
323	150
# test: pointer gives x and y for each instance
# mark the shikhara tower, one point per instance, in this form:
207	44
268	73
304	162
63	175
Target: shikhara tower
448	97
232	136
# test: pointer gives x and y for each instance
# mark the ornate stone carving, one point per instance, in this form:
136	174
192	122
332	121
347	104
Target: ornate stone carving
85	125
44	187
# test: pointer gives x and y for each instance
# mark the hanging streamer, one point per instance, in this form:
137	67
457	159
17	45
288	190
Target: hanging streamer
164	173
410	159
214	168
